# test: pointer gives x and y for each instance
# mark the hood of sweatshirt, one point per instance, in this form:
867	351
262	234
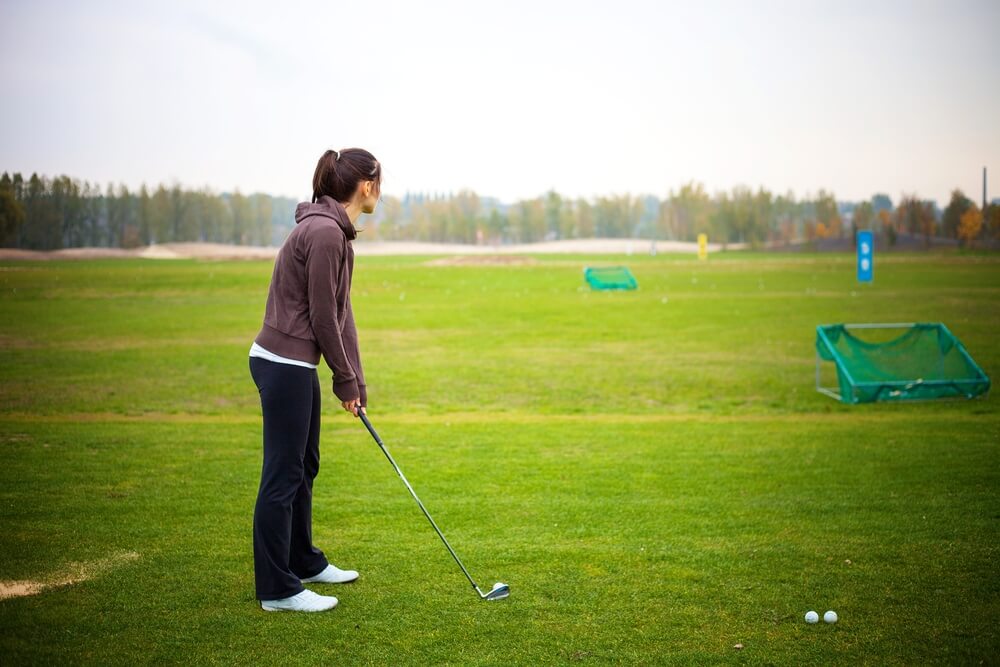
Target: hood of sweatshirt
327	207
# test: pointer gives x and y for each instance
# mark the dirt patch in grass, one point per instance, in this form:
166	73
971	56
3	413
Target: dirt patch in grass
73	574
483	260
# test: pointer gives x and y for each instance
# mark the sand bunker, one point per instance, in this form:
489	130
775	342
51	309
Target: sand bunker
73	574
208	251
486	254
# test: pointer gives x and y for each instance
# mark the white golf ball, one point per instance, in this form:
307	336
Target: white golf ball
812	617
830	617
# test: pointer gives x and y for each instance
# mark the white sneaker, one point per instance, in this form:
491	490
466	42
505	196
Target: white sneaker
304	601
332	575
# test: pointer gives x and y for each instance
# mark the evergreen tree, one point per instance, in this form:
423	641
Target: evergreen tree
12	214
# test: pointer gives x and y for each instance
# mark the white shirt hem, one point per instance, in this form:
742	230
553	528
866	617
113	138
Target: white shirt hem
262	353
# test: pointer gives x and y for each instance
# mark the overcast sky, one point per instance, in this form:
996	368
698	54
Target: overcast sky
508	98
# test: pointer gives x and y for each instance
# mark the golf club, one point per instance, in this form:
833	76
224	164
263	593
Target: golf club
499	590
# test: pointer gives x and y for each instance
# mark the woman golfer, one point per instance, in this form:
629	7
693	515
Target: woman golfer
308	316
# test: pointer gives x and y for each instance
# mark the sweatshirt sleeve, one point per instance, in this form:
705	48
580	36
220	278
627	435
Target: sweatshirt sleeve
354	353
324	257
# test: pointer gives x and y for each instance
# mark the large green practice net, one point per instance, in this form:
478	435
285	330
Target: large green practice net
610	277
892	362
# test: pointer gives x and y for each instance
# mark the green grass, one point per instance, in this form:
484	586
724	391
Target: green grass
651	472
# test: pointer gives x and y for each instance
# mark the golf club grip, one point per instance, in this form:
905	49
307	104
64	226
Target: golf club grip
368	425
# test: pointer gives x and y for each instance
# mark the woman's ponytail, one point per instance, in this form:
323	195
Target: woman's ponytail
326	172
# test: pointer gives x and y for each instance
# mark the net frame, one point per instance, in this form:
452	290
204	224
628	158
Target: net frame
896	389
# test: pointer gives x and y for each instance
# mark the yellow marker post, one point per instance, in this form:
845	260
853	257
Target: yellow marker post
702	246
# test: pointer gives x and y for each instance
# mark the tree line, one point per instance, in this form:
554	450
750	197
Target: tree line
49	213
41	213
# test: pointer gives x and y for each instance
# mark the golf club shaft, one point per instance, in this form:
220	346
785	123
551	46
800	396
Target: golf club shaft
378	440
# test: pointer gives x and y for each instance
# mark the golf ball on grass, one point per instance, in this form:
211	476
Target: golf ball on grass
812	617
830	617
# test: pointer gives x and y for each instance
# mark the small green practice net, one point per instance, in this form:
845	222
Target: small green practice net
610	277
893	362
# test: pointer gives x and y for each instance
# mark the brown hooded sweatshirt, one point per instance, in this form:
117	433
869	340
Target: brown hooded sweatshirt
308	311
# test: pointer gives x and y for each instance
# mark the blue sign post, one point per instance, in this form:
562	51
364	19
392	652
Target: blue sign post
866	252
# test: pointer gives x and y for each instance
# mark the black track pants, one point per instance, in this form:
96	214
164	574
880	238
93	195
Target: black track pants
283	552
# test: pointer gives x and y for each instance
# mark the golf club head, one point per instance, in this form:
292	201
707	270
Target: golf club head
499	592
